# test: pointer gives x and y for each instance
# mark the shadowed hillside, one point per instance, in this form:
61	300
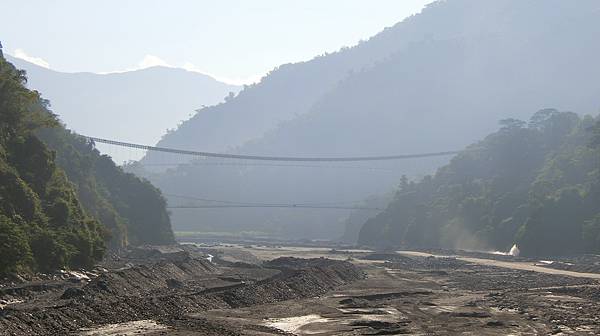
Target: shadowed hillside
436	85
536	185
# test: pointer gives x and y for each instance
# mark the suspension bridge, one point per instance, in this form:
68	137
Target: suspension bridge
269	158
227	204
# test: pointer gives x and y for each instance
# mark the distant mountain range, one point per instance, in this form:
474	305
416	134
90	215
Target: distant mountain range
137	106
436	81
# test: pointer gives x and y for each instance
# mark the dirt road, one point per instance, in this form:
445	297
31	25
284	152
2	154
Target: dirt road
517	265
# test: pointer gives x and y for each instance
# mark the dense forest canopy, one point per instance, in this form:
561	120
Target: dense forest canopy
62	204
536	184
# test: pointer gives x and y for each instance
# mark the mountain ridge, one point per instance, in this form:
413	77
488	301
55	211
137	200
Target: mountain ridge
139	105
446	87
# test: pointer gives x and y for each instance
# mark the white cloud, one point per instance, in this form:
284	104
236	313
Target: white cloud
227	80
20	53
147	62
151	61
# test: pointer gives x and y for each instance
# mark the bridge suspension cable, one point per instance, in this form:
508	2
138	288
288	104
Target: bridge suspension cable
237	164
269	158
296	206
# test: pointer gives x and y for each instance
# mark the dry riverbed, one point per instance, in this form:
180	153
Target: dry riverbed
281	290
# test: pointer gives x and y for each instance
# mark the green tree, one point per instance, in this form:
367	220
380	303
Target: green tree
537	185
591	234
595	135
511	123
61	202
14	247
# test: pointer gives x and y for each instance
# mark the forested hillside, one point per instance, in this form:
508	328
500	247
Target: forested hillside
285	93
131	207
61	203
536	184
435	86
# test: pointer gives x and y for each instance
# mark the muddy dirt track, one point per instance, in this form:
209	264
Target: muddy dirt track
252	290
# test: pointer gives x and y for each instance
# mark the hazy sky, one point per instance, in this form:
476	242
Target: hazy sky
232	40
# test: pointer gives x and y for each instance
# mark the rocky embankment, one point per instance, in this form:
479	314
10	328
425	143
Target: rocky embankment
166	287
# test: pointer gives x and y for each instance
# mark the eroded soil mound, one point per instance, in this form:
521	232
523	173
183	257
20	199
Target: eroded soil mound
168	289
